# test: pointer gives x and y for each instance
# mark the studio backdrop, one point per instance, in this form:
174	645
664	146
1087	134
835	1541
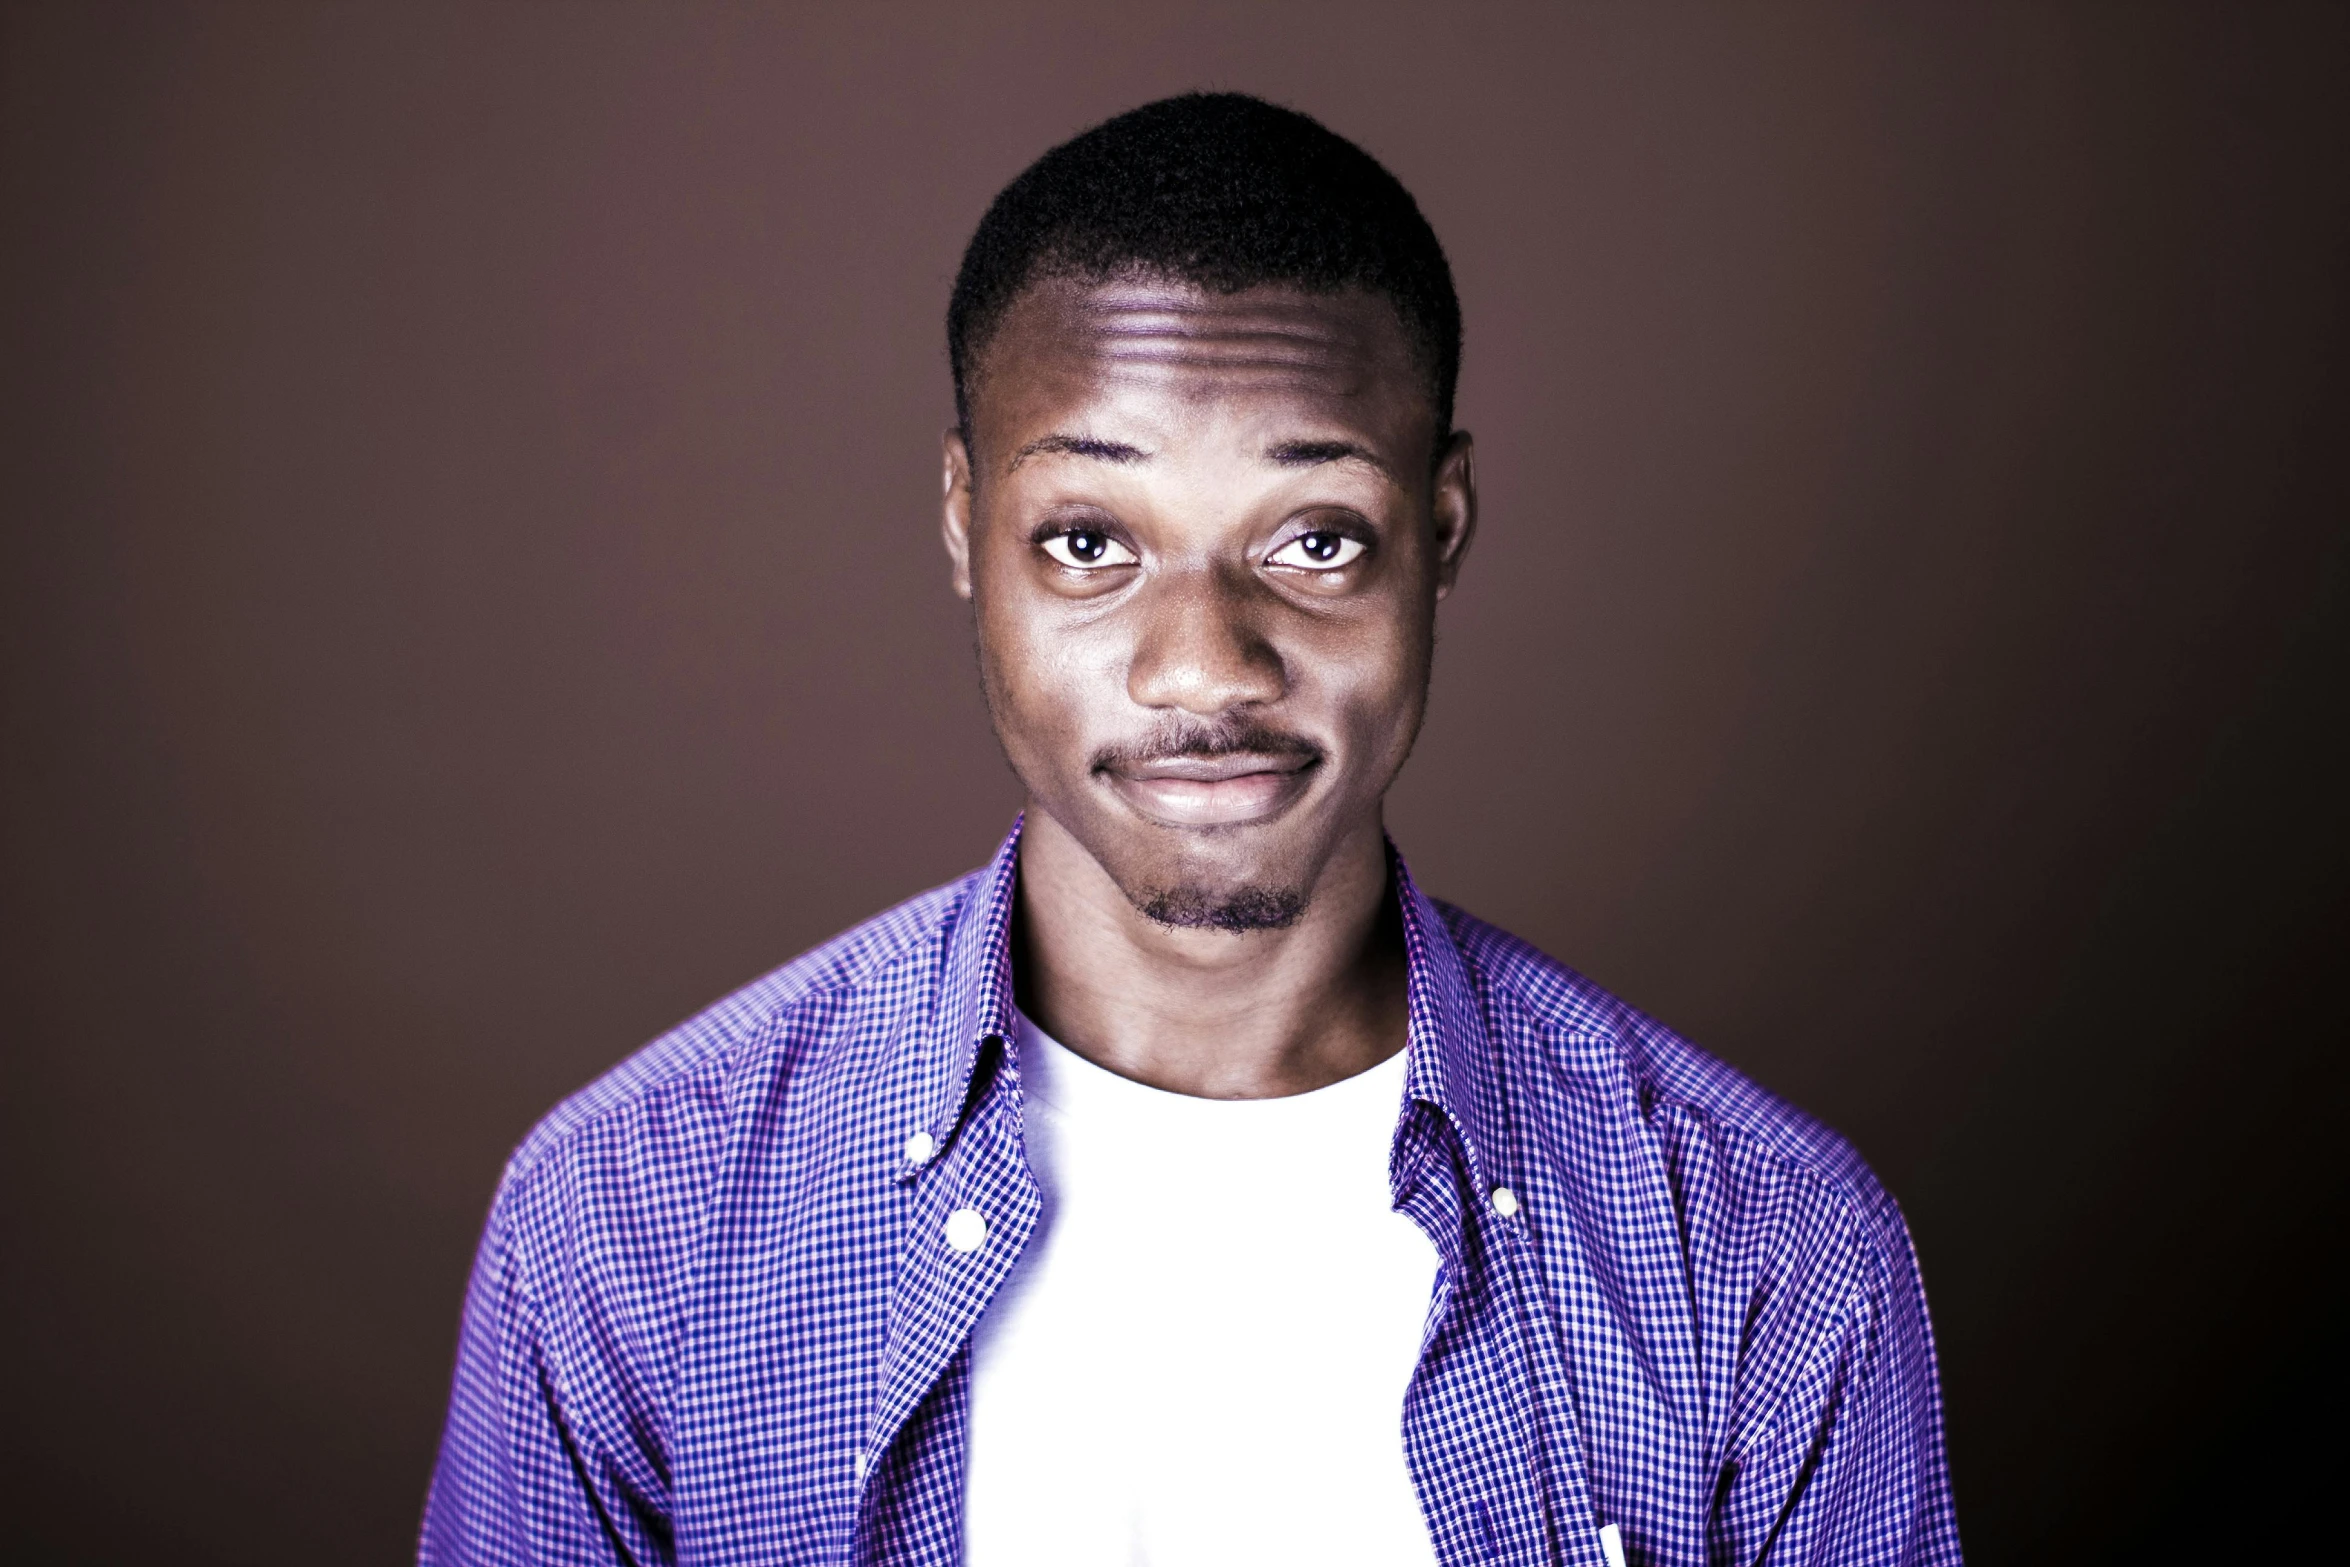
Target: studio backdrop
472	595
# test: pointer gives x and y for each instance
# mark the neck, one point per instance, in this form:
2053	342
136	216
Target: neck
1217	1014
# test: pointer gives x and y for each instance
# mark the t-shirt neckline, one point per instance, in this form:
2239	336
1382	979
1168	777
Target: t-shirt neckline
1069	1084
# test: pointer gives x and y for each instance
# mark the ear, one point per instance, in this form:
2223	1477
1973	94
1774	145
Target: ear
955	511
1454	503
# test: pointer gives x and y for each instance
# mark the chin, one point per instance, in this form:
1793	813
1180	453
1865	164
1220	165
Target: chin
1235	879
1236	909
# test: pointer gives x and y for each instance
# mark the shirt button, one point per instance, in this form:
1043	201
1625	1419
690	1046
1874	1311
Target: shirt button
920	1147
966	1229
1505	1202
859	1466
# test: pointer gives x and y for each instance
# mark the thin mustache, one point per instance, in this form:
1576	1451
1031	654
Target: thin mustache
1198	741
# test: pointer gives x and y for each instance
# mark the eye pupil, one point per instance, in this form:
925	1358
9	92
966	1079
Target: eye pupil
1321	545
1088	546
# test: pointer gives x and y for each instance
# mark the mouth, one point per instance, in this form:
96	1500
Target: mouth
1231	789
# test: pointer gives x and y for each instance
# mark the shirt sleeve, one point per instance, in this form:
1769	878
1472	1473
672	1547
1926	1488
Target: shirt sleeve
520	1480
1851	1471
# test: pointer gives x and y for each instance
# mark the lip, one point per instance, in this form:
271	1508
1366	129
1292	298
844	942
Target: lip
1213	791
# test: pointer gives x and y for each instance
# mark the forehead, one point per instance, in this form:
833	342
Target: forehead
1162	359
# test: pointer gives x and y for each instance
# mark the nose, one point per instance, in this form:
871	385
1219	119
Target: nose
1200	650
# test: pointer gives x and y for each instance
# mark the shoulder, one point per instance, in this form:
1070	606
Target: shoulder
1784	1247
597	1231
667	1103
1757	1139
596	1238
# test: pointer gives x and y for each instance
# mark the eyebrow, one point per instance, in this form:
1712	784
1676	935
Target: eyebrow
1312	454
1288	454
1078	446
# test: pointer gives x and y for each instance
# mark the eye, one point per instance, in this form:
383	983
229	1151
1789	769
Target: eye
1087	549
1320	550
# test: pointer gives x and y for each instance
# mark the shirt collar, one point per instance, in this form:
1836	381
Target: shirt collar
1450	1067
973	1011
1453	1065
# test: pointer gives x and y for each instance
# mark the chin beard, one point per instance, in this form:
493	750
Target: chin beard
1242	909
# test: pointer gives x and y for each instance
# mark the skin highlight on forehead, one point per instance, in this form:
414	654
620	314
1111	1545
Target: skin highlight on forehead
1344	353
1274	332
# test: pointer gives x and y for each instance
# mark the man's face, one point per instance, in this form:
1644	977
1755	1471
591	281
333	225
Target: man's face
1205	535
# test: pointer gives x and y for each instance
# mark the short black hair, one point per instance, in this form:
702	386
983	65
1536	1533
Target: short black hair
1222	191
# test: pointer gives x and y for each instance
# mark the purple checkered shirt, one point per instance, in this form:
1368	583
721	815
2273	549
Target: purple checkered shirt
715	1318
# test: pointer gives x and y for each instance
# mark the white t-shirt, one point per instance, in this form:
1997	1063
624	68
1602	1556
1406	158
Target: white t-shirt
1201	1358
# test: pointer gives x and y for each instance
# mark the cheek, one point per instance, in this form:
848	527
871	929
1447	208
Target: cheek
1037	688
1372	679
1381	716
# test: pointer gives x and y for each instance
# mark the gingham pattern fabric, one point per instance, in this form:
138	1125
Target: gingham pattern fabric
716	1319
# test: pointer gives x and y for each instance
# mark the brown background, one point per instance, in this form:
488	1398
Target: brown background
471	597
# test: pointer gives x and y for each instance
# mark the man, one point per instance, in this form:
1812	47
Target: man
1187	1187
